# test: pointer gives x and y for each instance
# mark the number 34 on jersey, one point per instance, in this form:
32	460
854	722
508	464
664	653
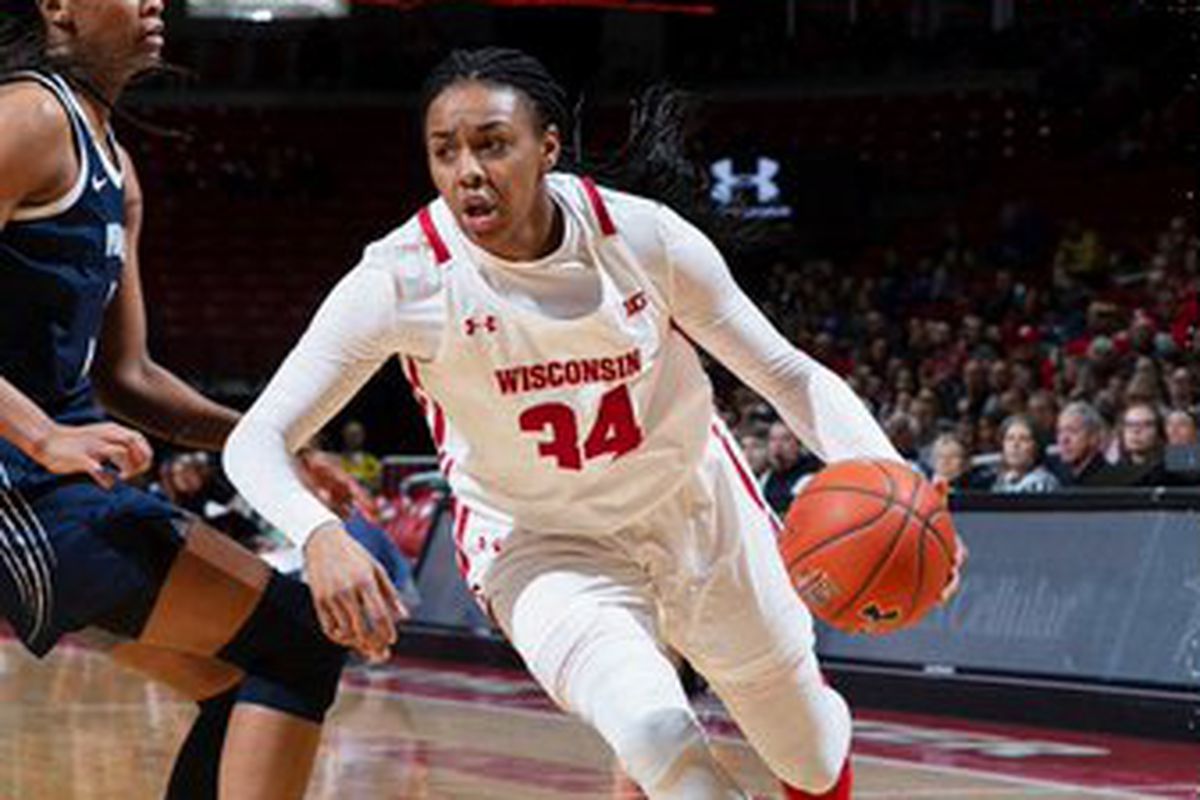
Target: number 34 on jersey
615	432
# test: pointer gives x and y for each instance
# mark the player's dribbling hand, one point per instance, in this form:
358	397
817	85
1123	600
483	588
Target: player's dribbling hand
942	486
104	451
355	601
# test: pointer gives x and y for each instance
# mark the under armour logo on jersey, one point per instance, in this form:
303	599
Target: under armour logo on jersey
635	303
485	323
728	181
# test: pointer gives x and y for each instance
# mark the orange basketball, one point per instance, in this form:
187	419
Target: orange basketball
869	546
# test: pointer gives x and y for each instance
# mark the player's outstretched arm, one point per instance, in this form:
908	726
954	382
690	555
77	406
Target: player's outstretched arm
350	337
345	344
708	305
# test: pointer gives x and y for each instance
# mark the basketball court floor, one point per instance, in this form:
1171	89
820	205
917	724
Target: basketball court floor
78	728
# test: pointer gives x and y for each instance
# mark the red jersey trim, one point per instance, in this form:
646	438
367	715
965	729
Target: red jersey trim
440	251
601	210
747	482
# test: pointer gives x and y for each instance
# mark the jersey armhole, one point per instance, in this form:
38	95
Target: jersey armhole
40	211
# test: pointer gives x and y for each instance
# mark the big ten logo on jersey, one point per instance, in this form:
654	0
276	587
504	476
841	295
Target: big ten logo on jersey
114	241
635	304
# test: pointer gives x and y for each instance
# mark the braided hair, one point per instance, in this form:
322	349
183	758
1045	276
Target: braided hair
653	161
502	66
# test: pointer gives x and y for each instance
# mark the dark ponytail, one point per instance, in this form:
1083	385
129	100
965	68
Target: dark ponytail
653	162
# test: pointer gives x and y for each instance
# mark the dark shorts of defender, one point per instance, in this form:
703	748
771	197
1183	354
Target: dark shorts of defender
73	554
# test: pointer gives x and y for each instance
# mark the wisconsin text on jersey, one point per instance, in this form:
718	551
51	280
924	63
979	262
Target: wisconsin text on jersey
552	374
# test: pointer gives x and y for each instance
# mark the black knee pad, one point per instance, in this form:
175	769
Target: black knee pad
290	664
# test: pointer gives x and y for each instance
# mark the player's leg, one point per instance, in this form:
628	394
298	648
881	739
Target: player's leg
122	562
744	628
580	615
216	687
212	684
215	611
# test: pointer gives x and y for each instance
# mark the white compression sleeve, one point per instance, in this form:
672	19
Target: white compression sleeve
714	312
357	328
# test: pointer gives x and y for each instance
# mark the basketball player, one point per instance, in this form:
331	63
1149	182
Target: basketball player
80	548
549	330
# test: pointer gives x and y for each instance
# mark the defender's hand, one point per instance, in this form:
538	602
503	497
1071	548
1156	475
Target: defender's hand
105	451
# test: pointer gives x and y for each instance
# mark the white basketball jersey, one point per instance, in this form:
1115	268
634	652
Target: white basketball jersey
561	425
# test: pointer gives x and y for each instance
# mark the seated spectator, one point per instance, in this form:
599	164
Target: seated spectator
1181	456
1142	435
1140	448
182	482
1021	468
1181	428
1179	389
363	466
964	431
189	481
754	448
901	429
1043	411
787	464
926	416
973	387
987	433
325	477
951	462
1081	437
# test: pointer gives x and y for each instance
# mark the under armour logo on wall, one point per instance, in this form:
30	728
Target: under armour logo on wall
485	323
728	182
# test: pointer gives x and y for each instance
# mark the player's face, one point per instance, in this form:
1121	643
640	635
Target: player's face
119	38
487	157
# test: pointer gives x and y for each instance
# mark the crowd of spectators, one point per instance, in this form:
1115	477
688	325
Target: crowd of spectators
1004	378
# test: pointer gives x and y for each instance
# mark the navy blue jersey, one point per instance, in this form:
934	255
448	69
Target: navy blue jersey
59	267
69	550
